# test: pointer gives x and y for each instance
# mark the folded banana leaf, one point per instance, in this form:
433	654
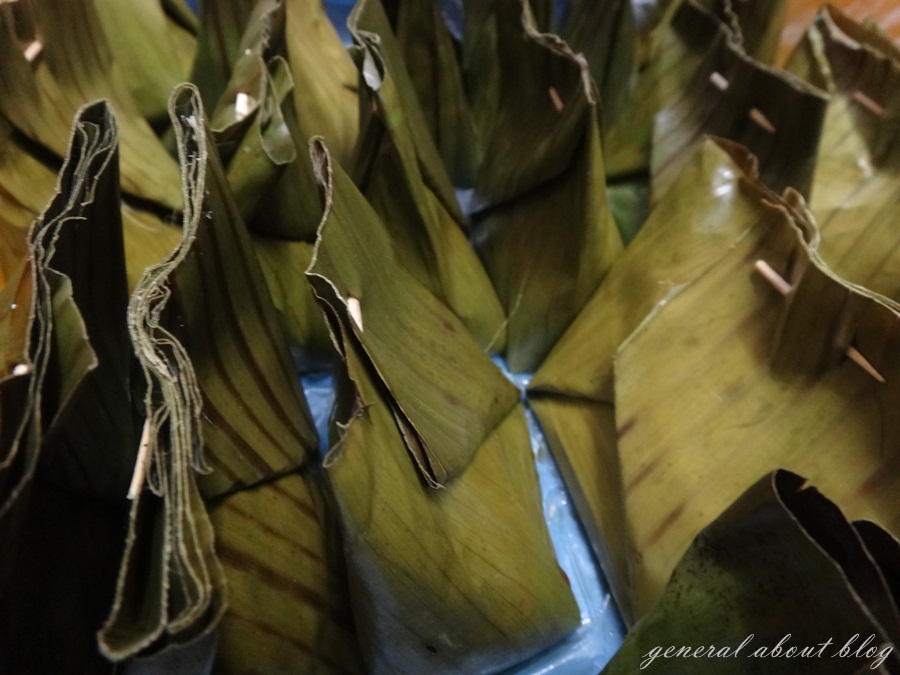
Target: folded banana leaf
27	184
262	147
432	593
400	172
284	265
222	26
542	165
41	97
680	42
444	390
154	50
436	77
725	380
707	209
325	79
780	582
66	408
855	194
234	412
289	610
777	116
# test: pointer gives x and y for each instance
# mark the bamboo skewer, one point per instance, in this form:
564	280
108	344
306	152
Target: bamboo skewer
782	286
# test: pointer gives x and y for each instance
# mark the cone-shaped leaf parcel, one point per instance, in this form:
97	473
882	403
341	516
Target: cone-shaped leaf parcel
430	592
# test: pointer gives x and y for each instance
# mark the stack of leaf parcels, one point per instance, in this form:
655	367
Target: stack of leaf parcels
461	182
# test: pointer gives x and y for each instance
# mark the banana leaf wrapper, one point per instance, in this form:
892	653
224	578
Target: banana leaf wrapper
155	51
40	98
325	78
401	174
782	560
28	184
431	593
677	44
711	214
854	193
708	208
743	386
444	390
69	423
543	275
776	115
196	357
273	183
289	605
436	77
222	27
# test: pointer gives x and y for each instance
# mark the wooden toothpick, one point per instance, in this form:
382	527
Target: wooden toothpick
867	103
355	311
140	466
33	50
242	104
557	101
718	80
782	286
761	120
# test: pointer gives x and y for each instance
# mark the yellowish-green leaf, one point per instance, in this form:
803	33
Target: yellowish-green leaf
145	44
325	79
727	380
780	567
432	593
855	190
288	603
445	390
402	176
41	97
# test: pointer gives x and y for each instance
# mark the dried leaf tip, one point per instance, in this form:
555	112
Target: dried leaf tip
140	466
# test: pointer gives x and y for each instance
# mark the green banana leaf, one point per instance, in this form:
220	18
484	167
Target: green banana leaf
154	52
222	27
235	413
605	34
402	176
444	390
284	265
712	213
543	165
854	192
289	609
262	152
430	592
682	37
41	98
707	209
777	116
437	78
325	79
67	407
780	582
770	386
27	184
